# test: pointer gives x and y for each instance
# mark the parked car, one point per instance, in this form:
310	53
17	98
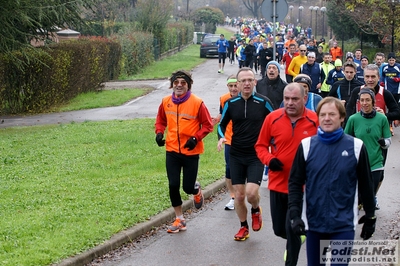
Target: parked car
208	46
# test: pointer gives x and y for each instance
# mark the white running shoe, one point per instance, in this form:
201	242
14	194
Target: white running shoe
265	178
230	205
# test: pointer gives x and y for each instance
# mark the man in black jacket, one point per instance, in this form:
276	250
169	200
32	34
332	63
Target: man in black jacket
249	51
342	89
371	77
272	85
265	55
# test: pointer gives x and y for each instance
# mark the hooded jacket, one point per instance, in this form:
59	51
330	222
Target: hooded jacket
342	89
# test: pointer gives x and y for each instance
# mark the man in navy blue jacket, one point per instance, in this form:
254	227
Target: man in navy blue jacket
330	169
314	71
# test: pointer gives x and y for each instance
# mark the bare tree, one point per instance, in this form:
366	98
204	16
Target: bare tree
254	6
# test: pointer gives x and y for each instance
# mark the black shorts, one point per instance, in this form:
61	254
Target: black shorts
246	168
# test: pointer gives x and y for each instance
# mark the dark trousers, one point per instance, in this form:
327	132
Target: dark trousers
263	70
227	167
314	241
324	94
231	56
289	78
281	226
175	163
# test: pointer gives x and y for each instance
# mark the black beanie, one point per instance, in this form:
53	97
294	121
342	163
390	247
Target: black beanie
369	91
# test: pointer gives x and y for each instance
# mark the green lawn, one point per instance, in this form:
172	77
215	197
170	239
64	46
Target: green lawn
67	188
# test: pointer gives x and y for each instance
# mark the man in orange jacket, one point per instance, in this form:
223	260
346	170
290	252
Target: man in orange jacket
187	121
233	92
336	52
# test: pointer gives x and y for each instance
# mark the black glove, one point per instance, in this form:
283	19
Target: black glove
191	143
298	226
275	165
159	139
368	228
382	142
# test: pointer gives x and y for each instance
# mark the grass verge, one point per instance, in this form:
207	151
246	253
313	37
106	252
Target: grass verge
66	188
104	98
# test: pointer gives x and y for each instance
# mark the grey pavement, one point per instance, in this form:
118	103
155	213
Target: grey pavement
209	238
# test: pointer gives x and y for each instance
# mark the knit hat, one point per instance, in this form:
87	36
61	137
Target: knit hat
182	74
303	78
338	63
278	66
370	92
391	55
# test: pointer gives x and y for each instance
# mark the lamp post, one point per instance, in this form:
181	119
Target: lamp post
323	10
291	12
311	9
179	12
393	4
300	11
316	8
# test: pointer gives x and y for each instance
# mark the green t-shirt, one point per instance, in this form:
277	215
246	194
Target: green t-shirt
370	130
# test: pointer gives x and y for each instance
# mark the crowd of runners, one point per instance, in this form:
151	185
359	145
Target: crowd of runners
319	136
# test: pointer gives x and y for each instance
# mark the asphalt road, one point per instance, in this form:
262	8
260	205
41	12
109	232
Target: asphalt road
209	238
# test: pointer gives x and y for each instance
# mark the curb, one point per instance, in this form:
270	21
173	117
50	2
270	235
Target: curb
130	234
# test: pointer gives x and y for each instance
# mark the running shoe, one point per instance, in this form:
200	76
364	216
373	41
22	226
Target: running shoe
198	198
256	222
230	205
178	225
377	207
219	70
243	234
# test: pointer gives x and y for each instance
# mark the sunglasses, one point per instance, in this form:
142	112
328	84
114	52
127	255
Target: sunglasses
303	50
182	82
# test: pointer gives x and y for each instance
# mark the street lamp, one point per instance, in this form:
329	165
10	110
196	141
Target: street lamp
300	11
323	10
393	4
316	8
291	9
311	9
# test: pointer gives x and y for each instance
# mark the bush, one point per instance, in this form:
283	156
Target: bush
57	75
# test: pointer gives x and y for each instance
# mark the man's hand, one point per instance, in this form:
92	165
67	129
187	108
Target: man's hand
275	165
298	226
159	139
382	142
221	141
368	228
191	143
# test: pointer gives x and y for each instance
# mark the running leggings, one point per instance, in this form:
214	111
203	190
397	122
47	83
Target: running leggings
175	162
281	226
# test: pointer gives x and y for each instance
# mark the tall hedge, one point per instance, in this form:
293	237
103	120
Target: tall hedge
57	75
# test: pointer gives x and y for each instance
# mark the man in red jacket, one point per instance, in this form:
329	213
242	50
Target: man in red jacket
287	58
276	147
187	121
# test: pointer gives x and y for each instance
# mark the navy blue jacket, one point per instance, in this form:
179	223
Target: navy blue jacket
316	74
333	175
